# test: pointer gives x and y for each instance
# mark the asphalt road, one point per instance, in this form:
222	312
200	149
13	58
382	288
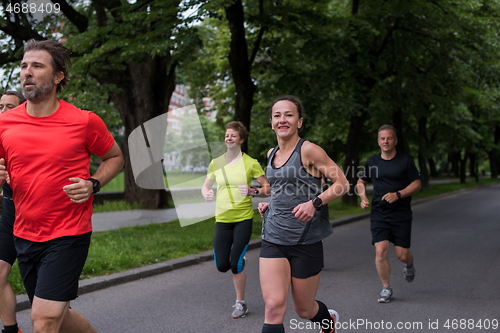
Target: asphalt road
457	259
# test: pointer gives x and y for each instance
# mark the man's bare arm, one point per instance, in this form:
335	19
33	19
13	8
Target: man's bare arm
112	163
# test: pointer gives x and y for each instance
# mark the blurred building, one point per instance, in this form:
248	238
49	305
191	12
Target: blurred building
180	99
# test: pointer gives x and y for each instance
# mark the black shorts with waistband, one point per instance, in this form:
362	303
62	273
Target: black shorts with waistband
51	270
398	233
305	260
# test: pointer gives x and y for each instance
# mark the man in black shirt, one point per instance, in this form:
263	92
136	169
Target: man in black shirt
395	179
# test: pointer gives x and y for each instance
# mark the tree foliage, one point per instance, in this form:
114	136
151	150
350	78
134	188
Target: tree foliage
428	67
129	52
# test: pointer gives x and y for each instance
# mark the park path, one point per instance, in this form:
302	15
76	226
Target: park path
457	260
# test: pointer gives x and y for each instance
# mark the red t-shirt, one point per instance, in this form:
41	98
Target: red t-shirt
41	154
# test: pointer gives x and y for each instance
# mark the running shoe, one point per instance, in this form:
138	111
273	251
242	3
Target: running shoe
335	318
385	295
409	272
240	310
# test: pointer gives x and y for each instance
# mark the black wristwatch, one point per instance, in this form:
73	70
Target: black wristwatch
96	185
317	203
256	193
398	194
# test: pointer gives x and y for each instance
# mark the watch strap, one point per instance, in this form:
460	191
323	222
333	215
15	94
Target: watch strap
96	185
317	203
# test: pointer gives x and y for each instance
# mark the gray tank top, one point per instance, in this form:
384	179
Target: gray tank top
292	185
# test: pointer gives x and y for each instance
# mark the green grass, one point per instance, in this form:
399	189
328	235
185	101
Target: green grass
111	206
338	209
15	279
132	247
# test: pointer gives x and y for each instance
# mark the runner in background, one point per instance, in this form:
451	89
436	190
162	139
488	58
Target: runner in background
395	179
233	173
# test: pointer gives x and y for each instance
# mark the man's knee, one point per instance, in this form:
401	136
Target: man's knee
381	250
403	254
4	272
4	282
45	322
46	315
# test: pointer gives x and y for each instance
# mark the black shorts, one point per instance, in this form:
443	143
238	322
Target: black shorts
305	260
398	233
51	270
7	250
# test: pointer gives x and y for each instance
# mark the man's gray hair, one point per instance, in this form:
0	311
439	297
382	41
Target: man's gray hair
388	127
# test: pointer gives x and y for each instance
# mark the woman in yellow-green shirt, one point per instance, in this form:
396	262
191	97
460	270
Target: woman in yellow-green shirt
233	173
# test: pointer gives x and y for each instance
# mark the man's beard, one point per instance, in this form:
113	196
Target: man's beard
38	93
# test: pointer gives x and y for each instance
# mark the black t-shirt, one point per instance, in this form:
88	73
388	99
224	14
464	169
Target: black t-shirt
390	176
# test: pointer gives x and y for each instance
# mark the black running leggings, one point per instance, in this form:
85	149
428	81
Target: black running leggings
230	245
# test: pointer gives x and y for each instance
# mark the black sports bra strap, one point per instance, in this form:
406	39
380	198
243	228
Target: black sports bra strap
273	152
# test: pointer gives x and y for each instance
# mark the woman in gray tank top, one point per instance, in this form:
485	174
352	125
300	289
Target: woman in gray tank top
296	221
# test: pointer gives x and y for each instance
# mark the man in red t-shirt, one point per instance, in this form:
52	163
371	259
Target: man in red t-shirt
45	147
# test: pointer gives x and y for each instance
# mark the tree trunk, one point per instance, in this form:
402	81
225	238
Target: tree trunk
446	166
463	167
422	150
146	92
472	164
493	154
424	172
455	169
352	156
494	165
240	66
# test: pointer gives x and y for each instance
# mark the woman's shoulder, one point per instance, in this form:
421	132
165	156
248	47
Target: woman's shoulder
309	148
249	158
